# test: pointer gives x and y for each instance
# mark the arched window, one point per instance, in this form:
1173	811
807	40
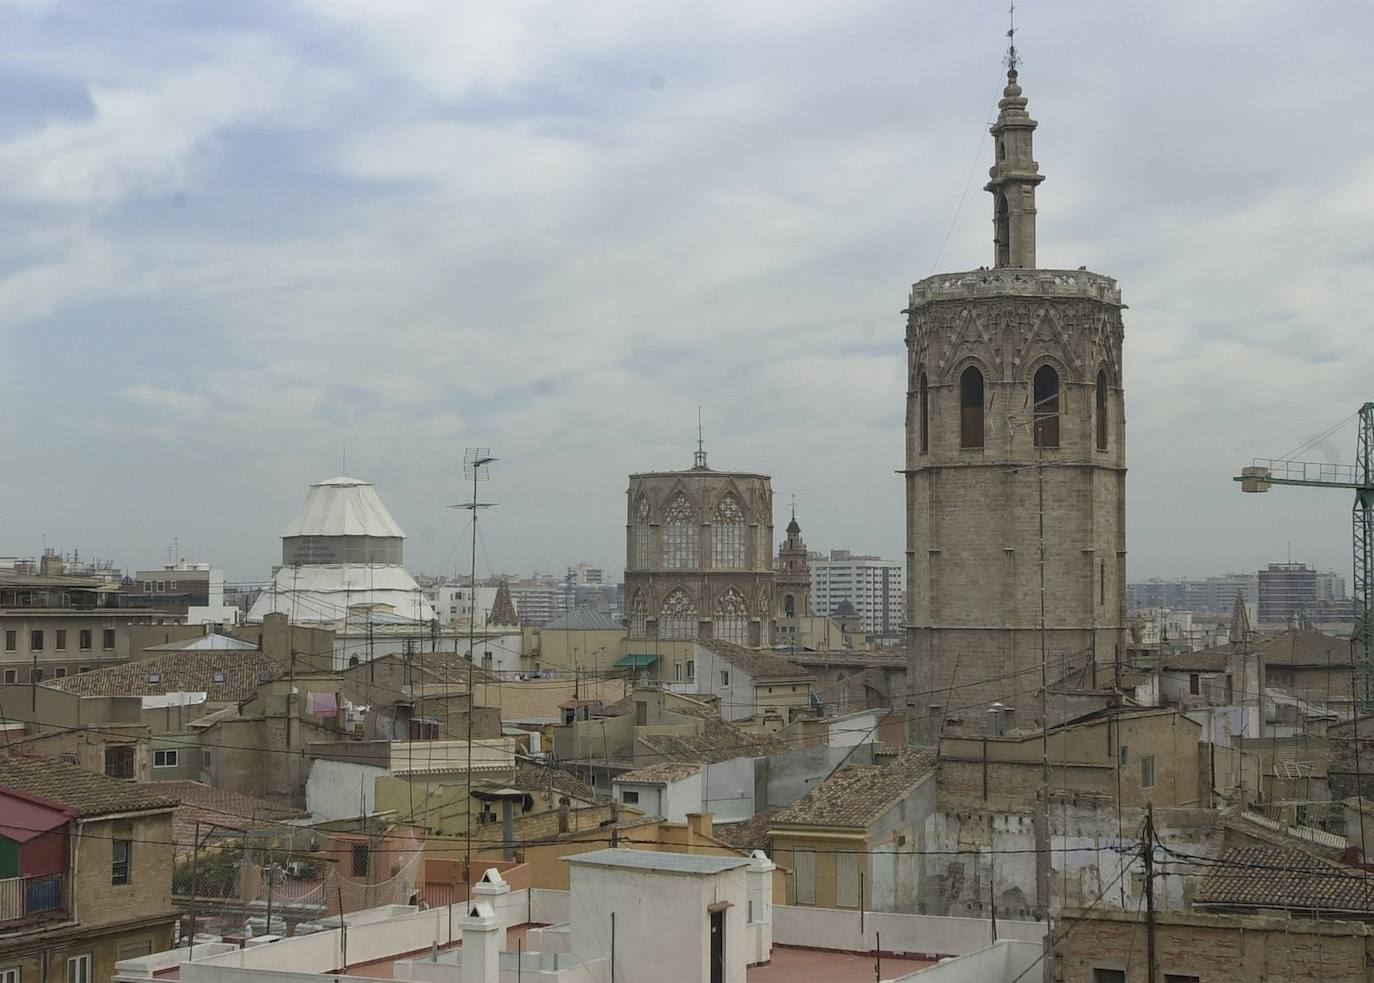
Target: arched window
924	397
641	534
1002	232
1102	410
789	606
678	616
1046	408
727	535
730	622
681	535
639	613
971	408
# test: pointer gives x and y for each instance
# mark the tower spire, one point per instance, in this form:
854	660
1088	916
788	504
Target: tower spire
1014	172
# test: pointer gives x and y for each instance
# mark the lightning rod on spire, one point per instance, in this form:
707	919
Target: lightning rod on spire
1012	60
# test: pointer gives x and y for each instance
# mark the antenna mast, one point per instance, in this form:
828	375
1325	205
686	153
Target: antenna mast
699	460
476	462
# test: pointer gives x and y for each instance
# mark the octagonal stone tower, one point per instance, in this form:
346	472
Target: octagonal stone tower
1014	389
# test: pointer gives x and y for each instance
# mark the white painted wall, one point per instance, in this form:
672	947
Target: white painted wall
672	800
855	728
338	789
647	798
931	935
1004	962
729	790
735	689
662	925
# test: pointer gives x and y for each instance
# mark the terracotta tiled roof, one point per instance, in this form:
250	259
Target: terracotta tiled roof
1305	648
750	834
1206	660
663	773
225	677
1273	877
857	795
547	780
846	659
216	807
719	741
89	793
759	665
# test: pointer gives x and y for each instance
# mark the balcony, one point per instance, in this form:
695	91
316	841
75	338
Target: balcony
25	899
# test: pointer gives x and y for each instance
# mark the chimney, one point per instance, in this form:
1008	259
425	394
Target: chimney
481	943
995	720
564	814
700	823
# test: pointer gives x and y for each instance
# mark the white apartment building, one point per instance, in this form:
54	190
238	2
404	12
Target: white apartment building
586	575
453	602
536	603
870	583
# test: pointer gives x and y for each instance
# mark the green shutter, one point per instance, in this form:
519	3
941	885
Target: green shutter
9	858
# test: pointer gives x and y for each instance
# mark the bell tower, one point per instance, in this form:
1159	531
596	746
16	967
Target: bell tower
1015	424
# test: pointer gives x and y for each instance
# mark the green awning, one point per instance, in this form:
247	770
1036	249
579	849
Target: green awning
636	662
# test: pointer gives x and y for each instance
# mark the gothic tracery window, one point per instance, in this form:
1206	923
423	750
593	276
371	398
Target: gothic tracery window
730	621
641	534
639	612
1045	388
1102	410
678	616
681	535
924	398
971	408
728	535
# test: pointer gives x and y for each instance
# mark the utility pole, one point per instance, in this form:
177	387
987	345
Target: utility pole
1147	851
195	890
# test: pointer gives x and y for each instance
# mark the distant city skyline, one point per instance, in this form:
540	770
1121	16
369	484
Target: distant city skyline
246	242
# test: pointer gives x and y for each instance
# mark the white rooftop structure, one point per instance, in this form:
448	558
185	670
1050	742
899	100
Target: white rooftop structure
342	559
343	507
212	642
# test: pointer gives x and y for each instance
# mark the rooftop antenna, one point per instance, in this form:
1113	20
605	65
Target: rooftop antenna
699	461
1011	60
476	467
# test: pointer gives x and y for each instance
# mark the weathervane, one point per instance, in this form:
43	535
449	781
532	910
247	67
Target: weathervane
1011	60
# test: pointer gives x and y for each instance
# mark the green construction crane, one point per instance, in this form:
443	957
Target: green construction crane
1359	477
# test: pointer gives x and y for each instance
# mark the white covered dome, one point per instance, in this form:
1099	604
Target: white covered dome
343	507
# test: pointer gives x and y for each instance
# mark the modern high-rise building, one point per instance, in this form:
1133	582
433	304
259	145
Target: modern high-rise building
1287	591
871	584
699	555
1014	419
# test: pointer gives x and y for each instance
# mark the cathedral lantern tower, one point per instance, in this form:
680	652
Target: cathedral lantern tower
1014	399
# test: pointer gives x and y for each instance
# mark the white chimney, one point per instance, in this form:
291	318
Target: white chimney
482	934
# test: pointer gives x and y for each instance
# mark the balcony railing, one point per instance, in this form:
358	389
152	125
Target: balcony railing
24	898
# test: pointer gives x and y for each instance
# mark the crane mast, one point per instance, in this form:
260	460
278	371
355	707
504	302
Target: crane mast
1359	477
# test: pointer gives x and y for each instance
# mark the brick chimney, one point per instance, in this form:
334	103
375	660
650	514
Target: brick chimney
700	823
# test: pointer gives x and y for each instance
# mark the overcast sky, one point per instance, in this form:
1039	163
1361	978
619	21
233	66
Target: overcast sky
237	238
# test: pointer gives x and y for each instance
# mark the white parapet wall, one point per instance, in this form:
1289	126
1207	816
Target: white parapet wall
1006	960
927	935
